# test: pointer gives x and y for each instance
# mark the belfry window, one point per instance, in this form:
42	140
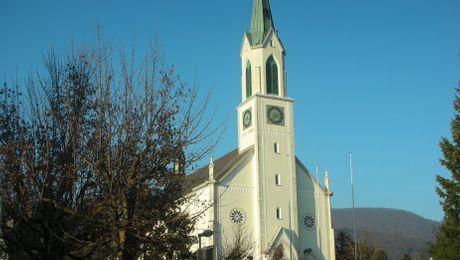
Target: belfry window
272	76
248	80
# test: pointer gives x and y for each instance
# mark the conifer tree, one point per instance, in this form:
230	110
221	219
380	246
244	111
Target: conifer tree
344	247
447	244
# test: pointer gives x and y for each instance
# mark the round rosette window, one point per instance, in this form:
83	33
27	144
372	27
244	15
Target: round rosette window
309	221
237	216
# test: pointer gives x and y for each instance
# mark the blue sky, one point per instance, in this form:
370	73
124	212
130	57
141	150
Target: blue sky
373	77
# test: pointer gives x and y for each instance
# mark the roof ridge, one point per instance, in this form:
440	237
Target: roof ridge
221	164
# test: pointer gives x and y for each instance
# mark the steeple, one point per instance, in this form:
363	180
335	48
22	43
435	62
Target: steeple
261	22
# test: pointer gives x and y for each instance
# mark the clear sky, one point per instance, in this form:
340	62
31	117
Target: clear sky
373	77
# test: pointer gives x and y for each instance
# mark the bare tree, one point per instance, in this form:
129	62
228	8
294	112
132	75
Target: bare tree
367	248
94	165
239	246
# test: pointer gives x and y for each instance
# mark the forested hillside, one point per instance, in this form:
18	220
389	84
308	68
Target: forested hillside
395	231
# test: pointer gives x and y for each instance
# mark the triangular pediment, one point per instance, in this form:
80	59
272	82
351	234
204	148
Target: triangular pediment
246	43
280	244
271	35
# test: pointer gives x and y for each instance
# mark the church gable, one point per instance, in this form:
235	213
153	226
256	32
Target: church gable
305	182
279	245
222	166
246	45
313	215
272	40
239	174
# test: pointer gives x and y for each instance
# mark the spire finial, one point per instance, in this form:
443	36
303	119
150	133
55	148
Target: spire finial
211	169
326	180
261	22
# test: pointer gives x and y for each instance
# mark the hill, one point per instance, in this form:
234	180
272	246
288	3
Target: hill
395	231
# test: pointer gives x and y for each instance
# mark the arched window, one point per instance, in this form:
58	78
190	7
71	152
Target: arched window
272	76
248	80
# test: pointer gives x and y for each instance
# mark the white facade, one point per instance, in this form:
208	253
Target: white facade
262	186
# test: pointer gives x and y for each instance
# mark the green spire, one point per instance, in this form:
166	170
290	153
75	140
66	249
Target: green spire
261	21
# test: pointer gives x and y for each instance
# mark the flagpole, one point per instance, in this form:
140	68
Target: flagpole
353	200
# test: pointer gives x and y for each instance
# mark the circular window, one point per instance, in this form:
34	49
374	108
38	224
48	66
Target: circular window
309	221
237	216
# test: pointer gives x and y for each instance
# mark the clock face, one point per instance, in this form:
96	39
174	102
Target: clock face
247	119
275	115
309	221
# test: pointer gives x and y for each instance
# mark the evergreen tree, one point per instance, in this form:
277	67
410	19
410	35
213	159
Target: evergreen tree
447	244
343	247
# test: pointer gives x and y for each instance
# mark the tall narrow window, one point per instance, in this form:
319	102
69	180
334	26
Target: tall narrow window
276	147
278	180
272	76
248	80
279	213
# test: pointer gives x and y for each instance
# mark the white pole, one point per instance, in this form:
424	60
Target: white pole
353	201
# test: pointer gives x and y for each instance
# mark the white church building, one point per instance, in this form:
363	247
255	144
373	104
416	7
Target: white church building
261	187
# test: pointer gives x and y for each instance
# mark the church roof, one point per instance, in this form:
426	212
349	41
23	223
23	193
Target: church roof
261	22
221	166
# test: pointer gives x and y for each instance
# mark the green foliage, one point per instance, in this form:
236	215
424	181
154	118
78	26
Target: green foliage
447	244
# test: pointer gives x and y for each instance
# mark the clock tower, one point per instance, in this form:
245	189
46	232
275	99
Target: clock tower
261	192
265	124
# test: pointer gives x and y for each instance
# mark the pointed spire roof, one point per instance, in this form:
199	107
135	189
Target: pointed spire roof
261	21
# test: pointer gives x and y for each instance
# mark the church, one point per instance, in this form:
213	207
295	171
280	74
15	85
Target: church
261	191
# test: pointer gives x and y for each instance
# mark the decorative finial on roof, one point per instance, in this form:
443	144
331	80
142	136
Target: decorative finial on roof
326	180
261	21
211	169
211	162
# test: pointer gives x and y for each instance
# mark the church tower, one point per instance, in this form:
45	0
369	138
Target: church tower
261	190
265	124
